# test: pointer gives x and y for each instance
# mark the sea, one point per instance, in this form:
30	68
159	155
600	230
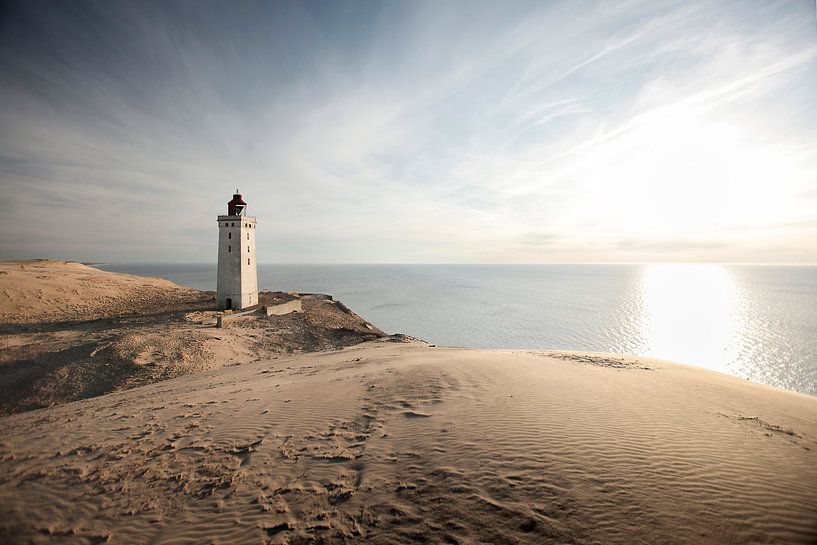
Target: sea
751	321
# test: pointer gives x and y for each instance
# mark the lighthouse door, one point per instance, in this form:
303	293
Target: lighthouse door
229	304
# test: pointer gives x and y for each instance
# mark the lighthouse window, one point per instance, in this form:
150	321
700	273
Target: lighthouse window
248	261
229	248
229	235
248	248
248	236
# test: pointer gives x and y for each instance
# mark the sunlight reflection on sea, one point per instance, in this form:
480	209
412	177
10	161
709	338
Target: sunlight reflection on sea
691	313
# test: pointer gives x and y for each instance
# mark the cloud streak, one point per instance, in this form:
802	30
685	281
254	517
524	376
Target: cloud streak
411	132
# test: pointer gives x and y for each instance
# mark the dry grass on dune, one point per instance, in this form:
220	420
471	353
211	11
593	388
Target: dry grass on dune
402	443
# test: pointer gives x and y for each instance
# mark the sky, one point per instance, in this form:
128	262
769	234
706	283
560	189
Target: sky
411	132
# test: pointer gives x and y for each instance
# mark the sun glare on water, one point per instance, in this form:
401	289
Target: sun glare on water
690	313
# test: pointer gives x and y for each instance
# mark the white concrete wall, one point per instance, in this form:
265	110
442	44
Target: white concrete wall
285	308
237	270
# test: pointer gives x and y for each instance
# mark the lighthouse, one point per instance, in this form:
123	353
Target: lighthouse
237	285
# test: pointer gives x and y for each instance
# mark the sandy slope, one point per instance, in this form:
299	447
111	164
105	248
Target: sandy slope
44	290
404	443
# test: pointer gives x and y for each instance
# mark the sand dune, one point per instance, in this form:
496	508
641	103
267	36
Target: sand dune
401	443
45	290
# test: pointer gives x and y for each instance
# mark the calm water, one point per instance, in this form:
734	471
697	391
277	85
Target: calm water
757	322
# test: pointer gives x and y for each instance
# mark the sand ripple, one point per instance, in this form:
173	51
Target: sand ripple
402	443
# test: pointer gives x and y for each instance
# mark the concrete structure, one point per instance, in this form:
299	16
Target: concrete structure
275	310
284	308
237	283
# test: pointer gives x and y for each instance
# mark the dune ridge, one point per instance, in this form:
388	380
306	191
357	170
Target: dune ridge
46	291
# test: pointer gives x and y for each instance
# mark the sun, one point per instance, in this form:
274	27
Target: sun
681	176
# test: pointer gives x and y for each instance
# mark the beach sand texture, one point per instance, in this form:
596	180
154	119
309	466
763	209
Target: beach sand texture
393	442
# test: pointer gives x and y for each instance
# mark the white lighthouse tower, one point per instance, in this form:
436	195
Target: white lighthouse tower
237	285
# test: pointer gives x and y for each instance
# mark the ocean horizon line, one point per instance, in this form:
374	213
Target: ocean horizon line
447	263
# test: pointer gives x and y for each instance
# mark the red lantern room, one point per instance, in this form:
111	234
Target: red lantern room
237	206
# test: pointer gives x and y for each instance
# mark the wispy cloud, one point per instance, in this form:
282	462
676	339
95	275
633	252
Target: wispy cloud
567	131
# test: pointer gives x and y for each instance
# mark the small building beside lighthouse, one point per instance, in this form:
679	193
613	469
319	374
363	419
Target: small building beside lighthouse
237	285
